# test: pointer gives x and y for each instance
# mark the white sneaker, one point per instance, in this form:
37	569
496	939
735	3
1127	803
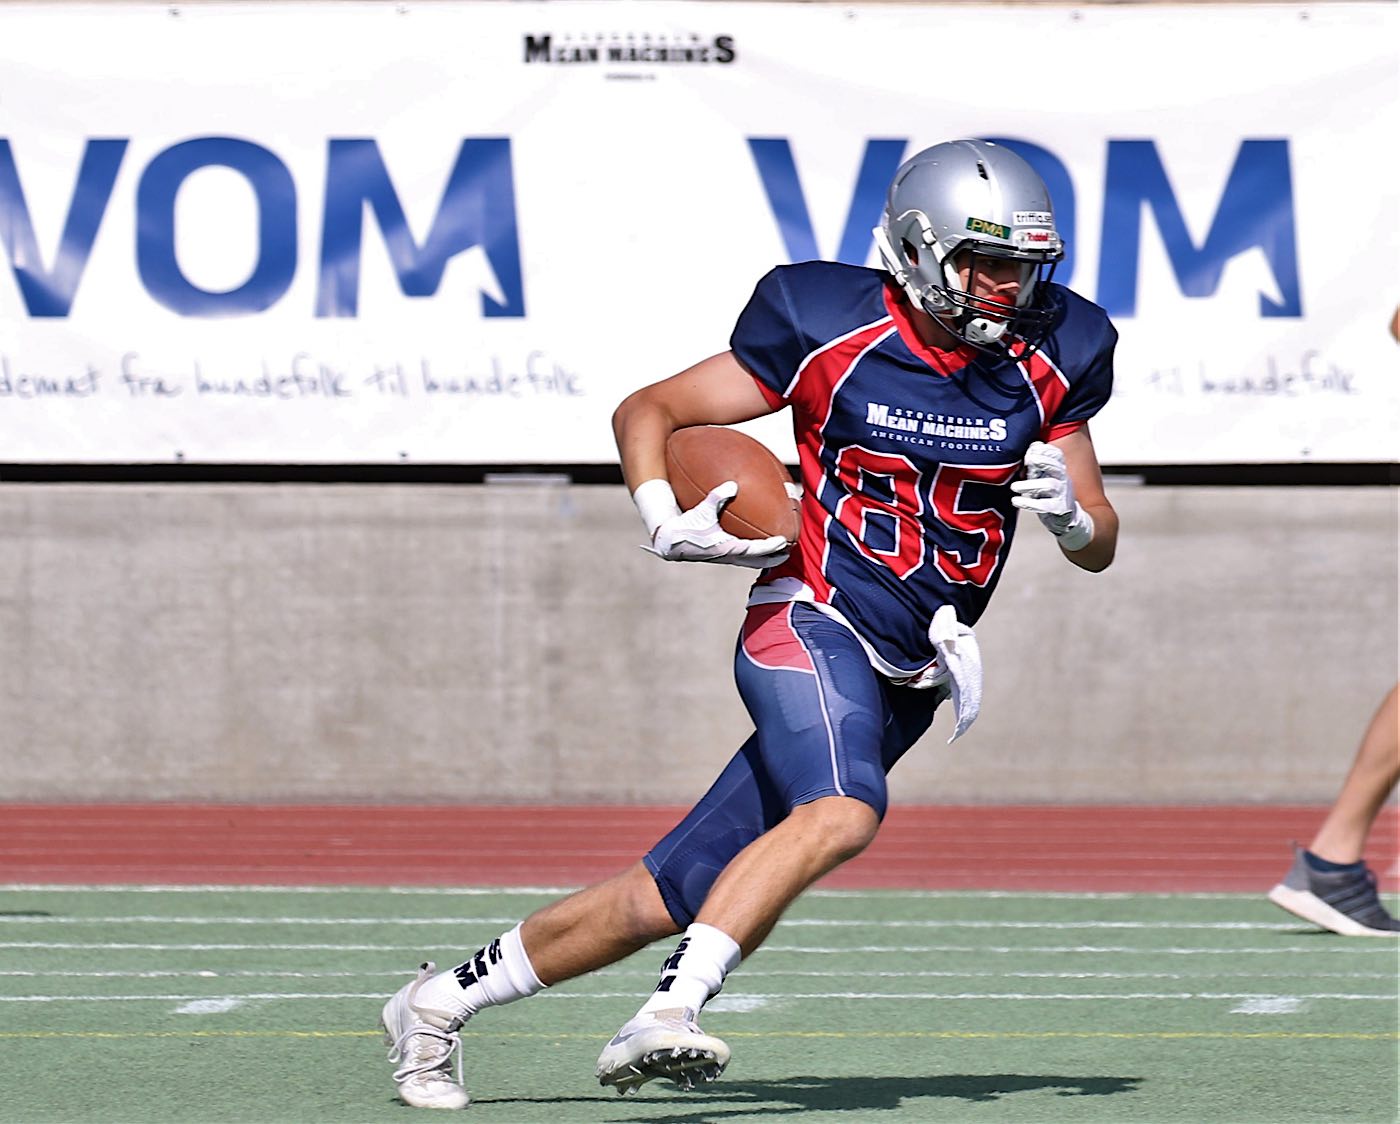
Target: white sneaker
424	1040
661	1044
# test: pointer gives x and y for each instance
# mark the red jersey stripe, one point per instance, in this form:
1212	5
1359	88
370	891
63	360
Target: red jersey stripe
1055	432
1047	383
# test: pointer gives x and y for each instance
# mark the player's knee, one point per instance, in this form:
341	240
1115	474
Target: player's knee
843	825
643	914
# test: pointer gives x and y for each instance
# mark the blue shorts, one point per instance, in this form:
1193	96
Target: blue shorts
827	724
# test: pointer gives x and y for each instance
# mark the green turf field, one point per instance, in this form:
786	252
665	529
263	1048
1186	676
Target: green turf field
261	1005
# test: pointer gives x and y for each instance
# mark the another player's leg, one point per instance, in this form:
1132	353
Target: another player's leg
1329	883
588	930
805	794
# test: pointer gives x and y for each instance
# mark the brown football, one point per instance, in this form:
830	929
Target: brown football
703	457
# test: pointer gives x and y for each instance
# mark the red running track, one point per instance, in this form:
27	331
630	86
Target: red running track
1089	848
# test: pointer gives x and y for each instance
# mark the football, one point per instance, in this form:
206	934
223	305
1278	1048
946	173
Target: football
702	457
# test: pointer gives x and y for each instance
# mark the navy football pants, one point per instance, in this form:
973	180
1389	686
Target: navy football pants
827	724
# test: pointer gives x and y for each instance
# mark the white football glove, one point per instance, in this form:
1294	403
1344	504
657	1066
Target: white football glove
695	535
959	654
1047	491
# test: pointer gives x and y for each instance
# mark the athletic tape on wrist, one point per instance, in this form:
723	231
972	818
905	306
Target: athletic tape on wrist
1080	531
656	503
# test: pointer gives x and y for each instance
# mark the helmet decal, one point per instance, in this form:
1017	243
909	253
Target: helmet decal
986	226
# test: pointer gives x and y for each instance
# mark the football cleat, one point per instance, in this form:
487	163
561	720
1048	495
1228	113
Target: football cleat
665	1044
422	1042
1344	901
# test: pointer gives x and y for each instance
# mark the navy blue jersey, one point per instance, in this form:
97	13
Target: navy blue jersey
906	451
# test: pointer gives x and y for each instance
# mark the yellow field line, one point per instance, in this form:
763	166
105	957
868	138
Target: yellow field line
848	1034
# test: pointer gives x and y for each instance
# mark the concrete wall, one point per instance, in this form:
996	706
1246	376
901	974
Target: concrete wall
510	643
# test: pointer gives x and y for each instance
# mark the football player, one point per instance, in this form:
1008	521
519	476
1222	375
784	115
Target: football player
932	402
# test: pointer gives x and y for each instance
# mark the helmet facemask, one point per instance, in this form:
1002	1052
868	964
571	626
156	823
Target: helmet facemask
985	321
932	276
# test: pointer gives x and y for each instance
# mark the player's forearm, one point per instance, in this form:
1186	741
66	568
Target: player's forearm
1098	553
641	427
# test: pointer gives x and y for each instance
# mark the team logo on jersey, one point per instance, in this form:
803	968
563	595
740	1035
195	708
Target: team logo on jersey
986	226
924	427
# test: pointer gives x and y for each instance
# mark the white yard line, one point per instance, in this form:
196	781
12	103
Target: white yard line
1270	1005
487	891
208	1006
273	996
748	974
1348	947
791	923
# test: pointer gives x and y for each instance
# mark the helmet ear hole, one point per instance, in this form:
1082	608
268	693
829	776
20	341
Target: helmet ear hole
910	251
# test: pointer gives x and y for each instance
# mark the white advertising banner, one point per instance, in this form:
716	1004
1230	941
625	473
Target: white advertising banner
461	232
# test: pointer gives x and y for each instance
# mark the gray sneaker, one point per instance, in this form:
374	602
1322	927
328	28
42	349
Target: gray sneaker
1345	902
667	1044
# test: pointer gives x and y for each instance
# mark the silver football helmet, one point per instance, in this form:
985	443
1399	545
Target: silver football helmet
955	202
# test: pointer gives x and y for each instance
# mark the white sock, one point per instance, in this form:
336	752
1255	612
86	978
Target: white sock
694	973
499	973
